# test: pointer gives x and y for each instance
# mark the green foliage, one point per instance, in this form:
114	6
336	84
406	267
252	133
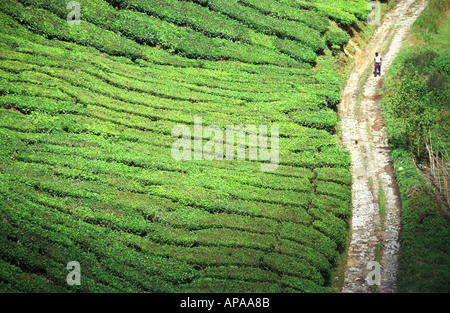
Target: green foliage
337	175
324	119
344	13
417	104
288	265
276	9
265	24
429	22
336	36
222	285
86	173
424	255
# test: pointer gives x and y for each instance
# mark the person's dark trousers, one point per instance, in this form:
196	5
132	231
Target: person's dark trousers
377	68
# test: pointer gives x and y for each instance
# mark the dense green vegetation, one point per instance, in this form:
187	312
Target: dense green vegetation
417	104
86	173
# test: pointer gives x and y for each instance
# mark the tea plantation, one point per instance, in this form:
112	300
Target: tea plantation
86	119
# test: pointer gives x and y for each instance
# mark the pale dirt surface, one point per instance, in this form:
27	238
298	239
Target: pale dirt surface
365	137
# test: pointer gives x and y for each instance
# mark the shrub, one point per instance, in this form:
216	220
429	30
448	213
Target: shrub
287	265
323	119
336	36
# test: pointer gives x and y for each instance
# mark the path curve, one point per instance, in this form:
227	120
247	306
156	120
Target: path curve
372	171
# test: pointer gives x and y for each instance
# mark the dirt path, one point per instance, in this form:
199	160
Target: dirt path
375	198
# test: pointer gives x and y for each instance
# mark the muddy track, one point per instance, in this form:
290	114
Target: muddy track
375	198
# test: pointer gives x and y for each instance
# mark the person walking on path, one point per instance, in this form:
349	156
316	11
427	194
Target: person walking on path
377	63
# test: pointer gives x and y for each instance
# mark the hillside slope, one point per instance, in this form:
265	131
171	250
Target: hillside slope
86	171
